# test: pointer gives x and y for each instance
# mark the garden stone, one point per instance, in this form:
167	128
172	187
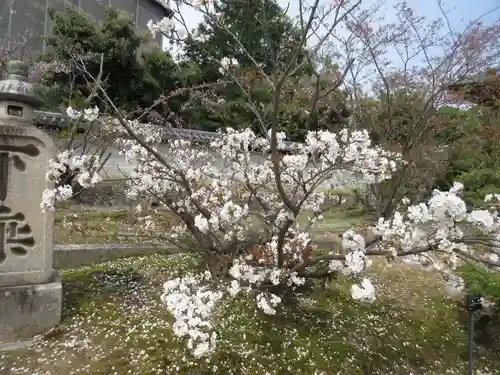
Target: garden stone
30	290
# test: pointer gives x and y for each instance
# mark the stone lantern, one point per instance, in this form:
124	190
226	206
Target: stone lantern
17	97
30	290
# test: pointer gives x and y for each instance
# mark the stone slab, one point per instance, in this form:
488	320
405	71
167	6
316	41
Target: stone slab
29	310
26	234
72	256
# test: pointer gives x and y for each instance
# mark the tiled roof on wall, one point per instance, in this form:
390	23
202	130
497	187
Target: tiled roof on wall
57	121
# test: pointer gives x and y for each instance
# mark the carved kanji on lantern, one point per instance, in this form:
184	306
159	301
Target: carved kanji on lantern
16	236
26	233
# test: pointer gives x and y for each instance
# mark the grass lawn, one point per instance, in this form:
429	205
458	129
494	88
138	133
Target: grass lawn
77	225
82	226
114	323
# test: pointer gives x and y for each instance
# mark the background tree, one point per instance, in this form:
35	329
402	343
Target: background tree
392	122
262	38
473	138
406	66
136	74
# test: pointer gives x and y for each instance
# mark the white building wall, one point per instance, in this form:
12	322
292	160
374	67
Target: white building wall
116	166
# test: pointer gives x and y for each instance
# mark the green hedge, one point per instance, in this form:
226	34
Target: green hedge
482	281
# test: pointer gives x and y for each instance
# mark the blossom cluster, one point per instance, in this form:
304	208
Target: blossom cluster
227	63
439	226
65	167
89	114
69	166
164	26
192	304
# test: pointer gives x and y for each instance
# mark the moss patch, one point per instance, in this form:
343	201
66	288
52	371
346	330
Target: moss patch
114	322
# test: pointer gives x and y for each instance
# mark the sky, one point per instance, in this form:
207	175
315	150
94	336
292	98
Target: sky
461	11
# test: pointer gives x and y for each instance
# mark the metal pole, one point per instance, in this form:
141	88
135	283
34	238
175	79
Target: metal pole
473	303
471	342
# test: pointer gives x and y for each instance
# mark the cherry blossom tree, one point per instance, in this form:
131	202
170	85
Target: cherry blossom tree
244	217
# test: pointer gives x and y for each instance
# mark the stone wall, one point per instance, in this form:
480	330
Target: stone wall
117	164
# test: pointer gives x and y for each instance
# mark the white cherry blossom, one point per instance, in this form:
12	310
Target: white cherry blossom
364	292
